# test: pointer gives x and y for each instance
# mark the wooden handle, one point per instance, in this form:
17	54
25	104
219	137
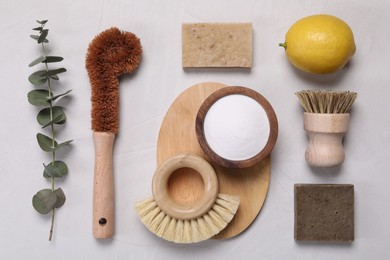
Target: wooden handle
165	201
103	189
326	132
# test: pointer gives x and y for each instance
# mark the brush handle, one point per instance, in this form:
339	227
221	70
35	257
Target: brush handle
103	188
325	132
324	150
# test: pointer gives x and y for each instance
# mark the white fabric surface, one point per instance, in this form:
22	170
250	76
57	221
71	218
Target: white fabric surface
145	98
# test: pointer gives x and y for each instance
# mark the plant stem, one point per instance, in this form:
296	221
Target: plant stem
284	45
53	153
52	224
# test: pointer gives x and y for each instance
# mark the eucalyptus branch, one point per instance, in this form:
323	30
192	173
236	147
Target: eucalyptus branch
47	200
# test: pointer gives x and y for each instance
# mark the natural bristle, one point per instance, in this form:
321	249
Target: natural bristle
110	54
188	231
326	101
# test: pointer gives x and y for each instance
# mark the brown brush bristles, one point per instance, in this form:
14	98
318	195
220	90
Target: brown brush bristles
110	54
326	101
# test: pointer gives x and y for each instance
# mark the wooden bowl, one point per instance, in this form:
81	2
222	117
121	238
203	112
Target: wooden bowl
270	131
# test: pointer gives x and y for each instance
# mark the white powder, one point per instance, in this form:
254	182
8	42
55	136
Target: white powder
236	127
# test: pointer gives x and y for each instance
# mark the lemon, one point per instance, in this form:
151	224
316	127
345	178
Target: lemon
319	44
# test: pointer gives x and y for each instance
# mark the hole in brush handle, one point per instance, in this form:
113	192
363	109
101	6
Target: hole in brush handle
102	221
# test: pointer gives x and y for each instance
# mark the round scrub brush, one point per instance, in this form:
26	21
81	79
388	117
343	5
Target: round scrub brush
180	223
110	54
326	121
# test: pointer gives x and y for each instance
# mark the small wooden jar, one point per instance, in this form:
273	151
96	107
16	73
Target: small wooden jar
265	135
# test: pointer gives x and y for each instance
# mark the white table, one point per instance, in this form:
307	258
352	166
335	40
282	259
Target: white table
146	96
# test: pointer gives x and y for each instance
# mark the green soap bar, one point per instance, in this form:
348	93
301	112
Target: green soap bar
324	212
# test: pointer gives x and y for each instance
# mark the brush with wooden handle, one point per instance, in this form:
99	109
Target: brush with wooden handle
110	54
326	121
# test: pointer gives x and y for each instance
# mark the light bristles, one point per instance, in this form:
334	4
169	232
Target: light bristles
326	101
188	231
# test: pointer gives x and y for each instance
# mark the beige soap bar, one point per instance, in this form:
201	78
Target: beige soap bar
217	45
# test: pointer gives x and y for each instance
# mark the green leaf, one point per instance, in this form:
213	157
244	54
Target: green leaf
37	78
46	143
59	120
53	72
46	175
44	201
59	117
39	97
37	61
55	77
47	59
60	95
60	198
36	37
40	28
50	59
43	35
58	169
42	22
63	144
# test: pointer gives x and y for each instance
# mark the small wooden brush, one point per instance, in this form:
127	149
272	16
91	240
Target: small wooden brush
181	223
110	54
326	121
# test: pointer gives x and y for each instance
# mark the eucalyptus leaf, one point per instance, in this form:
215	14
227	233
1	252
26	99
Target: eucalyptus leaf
58	169
53	72
44	119
44	201
46	143
47	59
50	59
36	37
37	78
46	175
55	77
60	95
40	28
63	144
37	61
39	97
43	35
61	198
59	120
42	22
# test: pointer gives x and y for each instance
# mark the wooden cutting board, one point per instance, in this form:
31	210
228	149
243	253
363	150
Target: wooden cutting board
177	135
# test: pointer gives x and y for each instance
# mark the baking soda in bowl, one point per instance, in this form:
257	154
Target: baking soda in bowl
236	127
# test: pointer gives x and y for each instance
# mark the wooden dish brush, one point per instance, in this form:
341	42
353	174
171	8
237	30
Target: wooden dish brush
190	223
110	54
326	121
